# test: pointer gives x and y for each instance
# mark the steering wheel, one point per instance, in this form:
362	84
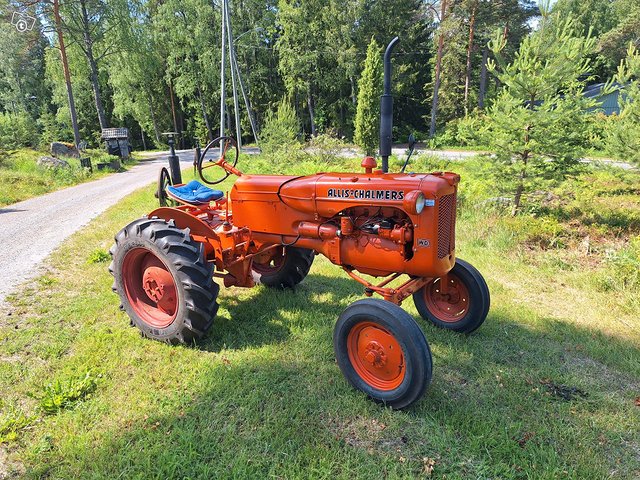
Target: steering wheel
229	168
164	180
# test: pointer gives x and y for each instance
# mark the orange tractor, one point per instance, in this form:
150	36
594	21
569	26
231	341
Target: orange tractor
268	230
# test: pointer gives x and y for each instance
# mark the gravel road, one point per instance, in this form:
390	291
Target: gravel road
31	230
401	152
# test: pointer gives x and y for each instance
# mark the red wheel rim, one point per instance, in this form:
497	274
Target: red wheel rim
150	288
376	356
275	263
449	307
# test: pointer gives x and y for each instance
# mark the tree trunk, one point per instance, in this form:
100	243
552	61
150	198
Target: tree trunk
173	109
467	80
518	197
204	114
354	99
144	142
311	113
156	131
93	66
180	114
67	75
523	174
436	85
483	78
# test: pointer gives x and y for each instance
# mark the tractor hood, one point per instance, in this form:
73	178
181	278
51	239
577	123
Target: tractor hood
326	194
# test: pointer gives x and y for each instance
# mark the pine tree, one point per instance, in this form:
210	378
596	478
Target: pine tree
537	126
623	135
368	109
281	128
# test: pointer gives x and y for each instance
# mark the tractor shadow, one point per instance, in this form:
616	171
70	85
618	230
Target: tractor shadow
261	316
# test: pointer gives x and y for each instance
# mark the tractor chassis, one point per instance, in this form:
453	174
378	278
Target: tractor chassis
237	259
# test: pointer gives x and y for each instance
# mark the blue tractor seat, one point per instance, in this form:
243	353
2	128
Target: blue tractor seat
194	193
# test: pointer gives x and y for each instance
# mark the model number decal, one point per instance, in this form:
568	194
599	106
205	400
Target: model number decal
424	242
361	194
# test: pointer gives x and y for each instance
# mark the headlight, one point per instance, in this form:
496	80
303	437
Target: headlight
414	202
420	203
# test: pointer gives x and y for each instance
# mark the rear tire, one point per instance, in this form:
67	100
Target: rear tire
382	352
466	306
286	269
164	282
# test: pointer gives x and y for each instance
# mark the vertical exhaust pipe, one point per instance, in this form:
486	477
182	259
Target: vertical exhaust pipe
386	108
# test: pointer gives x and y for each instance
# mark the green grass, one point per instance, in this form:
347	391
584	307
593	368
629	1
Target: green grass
261	395
21	178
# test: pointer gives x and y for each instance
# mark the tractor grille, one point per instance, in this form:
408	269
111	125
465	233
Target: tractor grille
446	224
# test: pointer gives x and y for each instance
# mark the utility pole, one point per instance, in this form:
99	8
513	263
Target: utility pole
247	104
228	49
222	70
233	76
65	69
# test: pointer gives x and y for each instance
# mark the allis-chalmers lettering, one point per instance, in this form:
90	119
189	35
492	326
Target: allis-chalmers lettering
361	194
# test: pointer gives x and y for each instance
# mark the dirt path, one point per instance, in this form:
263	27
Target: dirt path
31	230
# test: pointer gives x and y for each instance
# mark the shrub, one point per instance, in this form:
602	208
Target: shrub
99	256
61	394
281	128
17	130
624	266
463	131
622	273
327	146
52	130
12	420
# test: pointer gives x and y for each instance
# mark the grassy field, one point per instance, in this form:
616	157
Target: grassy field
21	178
549	387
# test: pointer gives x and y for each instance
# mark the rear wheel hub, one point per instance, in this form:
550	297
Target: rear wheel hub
150	287
159	287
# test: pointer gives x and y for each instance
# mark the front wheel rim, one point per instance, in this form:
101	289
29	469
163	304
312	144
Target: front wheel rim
150	288
376	356
449	307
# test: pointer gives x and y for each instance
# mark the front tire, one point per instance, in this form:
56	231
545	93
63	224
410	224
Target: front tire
164	281
382	352
286	268
464	306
